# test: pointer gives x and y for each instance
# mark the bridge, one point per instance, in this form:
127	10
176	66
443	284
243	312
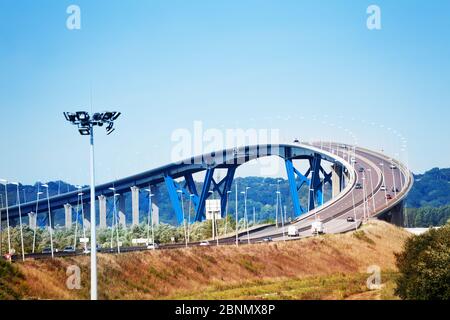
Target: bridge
360	179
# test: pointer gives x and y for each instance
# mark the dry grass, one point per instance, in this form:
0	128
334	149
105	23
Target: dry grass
186	272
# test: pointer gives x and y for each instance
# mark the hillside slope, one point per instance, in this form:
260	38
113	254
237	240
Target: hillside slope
185	273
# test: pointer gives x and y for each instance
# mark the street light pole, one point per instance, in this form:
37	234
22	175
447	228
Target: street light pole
226	211
184	219
20	220
236	214
7	214
189	216
50	230
93	221
1	230
86	123
371	184
36	222
150	217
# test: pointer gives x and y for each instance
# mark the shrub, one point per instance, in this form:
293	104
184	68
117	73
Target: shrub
424	266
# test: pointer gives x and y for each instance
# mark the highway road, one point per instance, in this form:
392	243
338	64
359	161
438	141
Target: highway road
359	204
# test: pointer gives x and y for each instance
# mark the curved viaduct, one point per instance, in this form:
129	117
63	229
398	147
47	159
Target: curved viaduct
345	174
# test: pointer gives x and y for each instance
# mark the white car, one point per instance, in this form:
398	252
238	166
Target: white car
392	166
204	243
383	188
153	246
352	160
292	231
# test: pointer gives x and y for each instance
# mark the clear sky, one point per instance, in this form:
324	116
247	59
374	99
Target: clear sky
304	67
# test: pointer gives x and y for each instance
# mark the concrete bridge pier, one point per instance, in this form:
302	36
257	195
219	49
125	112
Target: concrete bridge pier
32	220
155	214
102	211
121	210
135	205
68	216
336	179
395	215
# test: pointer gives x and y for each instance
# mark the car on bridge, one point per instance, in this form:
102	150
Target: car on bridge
358	186
317	227
267	239
393	166
292	231
153	246
383	188
388	197
395	189
47	250
69	249
350	219
204	243
361	169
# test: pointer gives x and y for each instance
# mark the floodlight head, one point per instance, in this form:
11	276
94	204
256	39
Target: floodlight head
15	183
72	117
112	189
84	131
44	185
110	128
82	116
97	116
115	115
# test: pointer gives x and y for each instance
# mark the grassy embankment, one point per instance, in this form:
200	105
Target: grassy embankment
327	267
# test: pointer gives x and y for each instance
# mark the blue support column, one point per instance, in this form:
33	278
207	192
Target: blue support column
228	180
293	187
200	212
315	182
174	199
190	184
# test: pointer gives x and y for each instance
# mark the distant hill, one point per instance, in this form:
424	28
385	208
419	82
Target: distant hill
431	189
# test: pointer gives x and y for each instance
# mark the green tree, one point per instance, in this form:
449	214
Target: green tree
424	266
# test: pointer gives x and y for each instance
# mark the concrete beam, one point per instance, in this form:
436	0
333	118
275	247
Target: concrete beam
135	205
102	209
68	216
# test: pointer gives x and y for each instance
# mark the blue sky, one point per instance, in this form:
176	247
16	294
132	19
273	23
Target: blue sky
298	66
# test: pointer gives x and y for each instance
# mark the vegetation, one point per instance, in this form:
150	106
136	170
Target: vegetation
427	216
337	286
281	270
10	279
164	233
424	266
